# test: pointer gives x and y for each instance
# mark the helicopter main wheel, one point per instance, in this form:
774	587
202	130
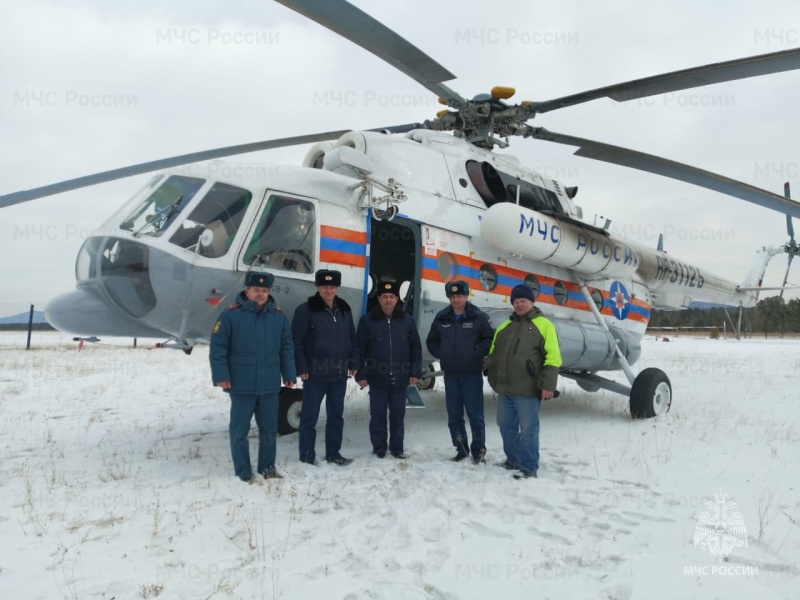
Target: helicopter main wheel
427	383
651	394
289	407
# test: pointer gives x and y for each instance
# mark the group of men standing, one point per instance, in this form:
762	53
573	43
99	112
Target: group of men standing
253	347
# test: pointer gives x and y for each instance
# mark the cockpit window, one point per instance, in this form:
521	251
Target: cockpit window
495	186
285	236
161	207
220	212
535	197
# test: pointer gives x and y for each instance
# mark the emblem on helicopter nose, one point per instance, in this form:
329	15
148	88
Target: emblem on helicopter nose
620	300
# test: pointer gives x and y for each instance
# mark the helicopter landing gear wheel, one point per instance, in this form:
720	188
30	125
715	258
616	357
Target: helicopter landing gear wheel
651	394
426	383
289	406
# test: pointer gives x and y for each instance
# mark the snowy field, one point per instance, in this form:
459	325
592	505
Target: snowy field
116	482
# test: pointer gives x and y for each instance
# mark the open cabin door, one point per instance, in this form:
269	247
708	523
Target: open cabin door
394	255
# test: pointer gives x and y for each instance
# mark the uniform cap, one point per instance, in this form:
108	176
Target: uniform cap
388	287
456	287
254	279
327	277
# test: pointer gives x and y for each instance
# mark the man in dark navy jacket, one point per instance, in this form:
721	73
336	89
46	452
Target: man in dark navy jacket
391	360
251	349
460	337
326	354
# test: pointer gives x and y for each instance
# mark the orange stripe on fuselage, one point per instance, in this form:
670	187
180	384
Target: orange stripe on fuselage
343	258
504	290
348	235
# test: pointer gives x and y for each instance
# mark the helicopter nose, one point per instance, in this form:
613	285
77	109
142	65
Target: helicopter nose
81	312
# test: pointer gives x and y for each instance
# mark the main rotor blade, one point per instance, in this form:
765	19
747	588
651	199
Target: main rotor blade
175	161
668	168
753	66
357	26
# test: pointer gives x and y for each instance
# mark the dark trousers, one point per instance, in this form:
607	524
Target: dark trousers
313	392
381	399
265	409
460	394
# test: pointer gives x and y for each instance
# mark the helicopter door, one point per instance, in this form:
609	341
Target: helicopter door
394	256
284	237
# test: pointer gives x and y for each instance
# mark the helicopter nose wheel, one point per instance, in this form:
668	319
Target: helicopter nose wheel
289	407
426	382
651	394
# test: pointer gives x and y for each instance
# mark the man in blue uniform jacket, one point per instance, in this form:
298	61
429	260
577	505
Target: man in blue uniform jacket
391	359
460	337
251	349
326	354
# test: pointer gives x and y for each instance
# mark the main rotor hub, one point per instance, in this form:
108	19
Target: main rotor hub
485	119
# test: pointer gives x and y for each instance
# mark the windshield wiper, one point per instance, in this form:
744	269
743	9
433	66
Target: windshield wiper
162	217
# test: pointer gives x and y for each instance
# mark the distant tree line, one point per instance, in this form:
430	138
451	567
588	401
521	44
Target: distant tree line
770	316
24	327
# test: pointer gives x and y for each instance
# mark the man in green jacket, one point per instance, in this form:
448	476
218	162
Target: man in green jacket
523	369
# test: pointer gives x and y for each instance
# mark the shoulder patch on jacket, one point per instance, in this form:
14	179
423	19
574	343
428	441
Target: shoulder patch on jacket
216	327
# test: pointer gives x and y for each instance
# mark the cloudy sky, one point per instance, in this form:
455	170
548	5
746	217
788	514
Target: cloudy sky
87	86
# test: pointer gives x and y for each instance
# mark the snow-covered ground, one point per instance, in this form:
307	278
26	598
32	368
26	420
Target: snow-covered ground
116	482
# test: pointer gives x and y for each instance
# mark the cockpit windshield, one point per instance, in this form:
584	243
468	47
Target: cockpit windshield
161	207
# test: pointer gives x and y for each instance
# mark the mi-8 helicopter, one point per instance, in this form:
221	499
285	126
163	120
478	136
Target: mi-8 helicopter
422	202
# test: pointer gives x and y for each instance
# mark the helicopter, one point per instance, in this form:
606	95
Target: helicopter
425	203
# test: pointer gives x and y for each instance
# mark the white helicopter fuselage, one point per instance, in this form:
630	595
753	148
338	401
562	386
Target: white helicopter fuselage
423	208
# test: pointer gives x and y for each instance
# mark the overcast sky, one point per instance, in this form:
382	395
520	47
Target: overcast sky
89	86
